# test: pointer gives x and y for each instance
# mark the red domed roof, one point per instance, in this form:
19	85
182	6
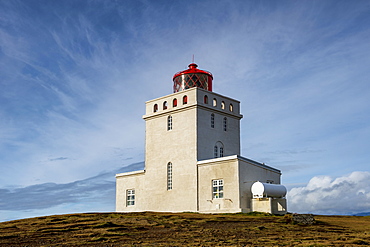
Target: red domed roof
192	69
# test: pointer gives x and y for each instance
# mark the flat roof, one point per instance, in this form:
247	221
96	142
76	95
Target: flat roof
231	157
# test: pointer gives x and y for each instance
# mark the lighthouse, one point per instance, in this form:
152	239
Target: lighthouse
192	155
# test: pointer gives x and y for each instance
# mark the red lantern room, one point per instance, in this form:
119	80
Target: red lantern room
192	77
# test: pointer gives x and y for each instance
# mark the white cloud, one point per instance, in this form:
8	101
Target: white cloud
325	195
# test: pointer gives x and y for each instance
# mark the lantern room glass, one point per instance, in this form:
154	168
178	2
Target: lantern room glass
186	81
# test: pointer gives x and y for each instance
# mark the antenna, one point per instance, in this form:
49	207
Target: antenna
193	59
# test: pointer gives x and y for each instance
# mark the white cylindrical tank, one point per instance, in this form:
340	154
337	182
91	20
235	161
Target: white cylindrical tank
260	190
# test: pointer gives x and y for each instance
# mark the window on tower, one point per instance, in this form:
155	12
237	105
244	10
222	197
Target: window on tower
225	123
205	99
218	150
165	105
222	105
185	100
169	123
155	108
174	102
169	176
212	120
214	102
218	188
130	197
231	107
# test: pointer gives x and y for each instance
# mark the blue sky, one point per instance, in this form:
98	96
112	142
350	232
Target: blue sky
74	77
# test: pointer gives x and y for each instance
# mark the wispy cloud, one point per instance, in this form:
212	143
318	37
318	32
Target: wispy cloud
59	158
96	189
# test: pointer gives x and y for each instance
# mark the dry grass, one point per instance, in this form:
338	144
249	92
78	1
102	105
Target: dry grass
183	229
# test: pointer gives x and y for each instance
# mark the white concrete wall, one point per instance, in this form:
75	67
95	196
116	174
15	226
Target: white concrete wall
126	181
270	205
220	168
208	136
278	206
177	146
238	174
250	172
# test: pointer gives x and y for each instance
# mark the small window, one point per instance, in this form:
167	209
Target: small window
218	188
223	105
130	195
218	150
165	105
225	124
174	102
169	123
214	102
212	120
185	100
231	107
155	109
169	176
205	99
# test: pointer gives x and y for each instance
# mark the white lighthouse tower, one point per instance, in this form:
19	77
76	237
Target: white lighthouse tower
192	155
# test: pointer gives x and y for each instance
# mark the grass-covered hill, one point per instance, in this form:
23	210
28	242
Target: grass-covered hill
183	229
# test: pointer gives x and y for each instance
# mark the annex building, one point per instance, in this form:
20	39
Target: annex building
192	156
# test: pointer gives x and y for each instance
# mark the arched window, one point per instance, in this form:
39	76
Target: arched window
165	105
174	102
169	123
225	123
231	107
222	105
185	100
169	176
214	102
215	151
218	150
205	99
155	108
212	120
